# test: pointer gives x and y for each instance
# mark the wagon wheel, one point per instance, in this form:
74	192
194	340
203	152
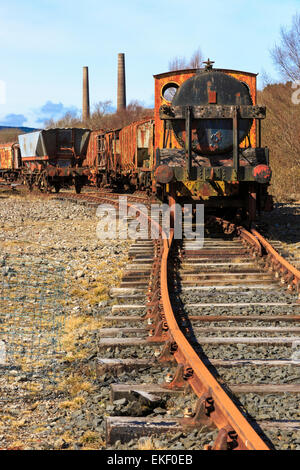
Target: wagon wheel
57	187
78	183
28	181
43	183
78	188
99	179
104	181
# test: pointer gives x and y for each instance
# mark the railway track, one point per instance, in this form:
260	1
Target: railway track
222	319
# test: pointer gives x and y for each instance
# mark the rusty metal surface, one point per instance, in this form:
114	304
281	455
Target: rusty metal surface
196	129
178	78
164	174
92	150
7	156
134	138
213	112
110	154
223	413
193	71
211	129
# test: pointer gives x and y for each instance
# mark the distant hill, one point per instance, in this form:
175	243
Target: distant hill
23	129
10	134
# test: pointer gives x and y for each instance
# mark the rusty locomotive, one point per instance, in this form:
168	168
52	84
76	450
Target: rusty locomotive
202	143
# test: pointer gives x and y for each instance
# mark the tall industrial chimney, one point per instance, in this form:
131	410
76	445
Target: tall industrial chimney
121	104
85	95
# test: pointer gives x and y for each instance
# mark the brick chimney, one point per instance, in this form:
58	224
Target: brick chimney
85	95
121	104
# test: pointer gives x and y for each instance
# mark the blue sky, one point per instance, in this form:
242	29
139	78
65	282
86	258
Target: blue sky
45	44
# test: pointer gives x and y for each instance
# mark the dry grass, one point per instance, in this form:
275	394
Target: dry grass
91	293
147	444
76	334
281	133
23	194
74	404
17	445
18	423
75	384
90	437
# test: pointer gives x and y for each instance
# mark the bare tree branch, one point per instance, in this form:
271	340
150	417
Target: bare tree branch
178	63
281	133
103	117
197	59
286	55
181	63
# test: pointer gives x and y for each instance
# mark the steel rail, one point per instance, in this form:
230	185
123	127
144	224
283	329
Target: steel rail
249	238
202	381
290	274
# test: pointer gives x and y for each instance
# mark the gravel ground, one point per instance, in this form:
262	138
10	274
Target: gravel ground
285	234
55	279
56	400
64	407
283	226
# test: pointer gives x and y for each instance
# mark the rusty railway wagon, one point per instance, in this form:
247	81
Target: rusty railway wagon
103	157
53	158
204	143
122	157
10	161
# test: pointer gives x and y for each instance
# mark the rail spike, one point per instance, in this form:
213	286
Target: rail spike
227	439
167	353
180	379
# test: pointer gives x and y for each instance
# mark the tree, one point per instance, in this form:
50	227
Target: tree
104	117
286	55
197	59
281	129
281	133
180	63
68	120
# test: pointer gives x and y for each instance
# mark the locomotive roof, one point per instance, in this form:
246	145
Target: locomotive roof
172	72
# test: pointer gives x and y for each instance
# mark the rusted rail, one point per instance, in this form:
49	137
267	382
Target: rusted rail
280	266
214	404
